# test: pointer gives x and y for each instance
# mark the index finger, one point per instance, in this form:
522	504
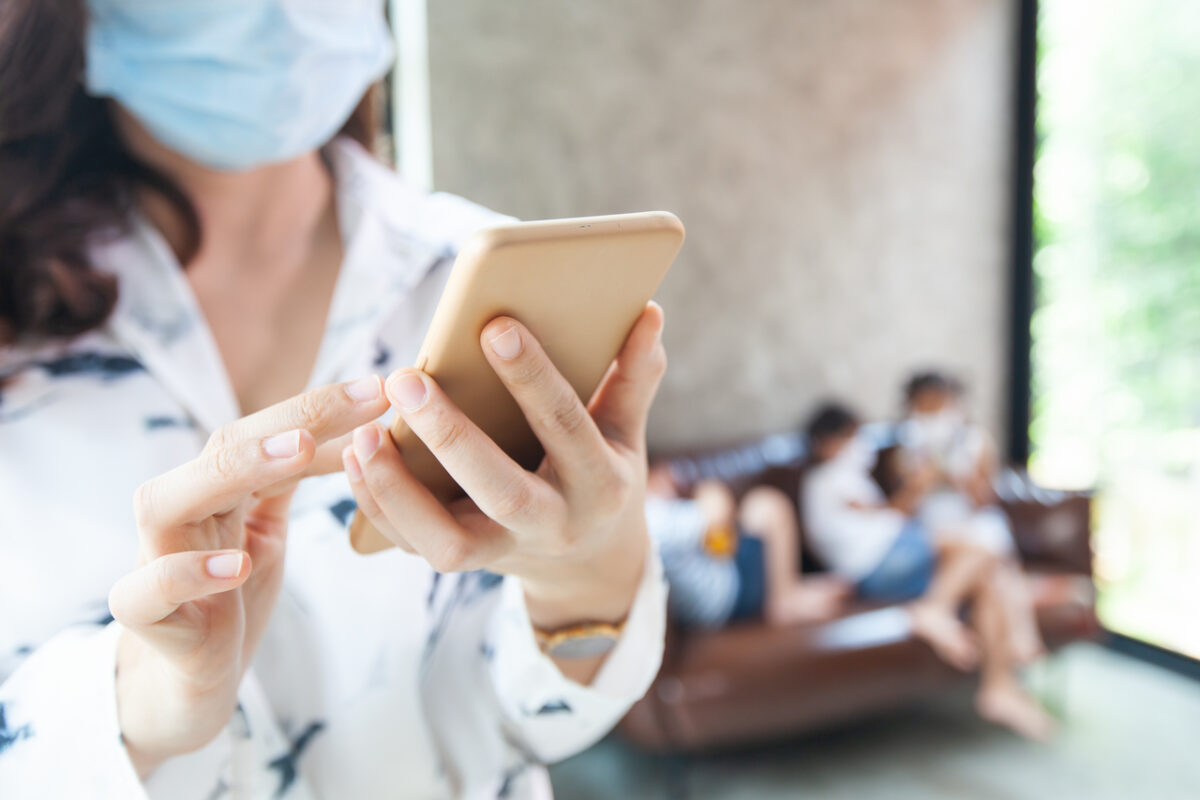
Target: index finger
325	412
256	452
555	413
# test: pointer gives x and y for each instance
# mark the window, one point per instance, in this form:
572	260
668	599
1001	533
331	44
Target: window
1116	326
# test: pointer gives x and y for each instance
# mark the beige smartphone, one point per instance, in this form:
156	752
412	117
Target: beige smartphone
577	284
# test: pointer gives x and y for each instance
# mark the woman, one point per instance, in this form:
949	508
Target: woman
201	283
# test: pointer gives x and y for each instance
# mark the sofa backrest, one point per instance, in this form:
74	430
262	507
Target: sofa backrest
1052	528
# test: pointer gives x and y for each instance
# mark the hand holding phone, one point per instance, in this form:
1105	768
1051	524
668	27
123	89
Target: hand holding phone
577	286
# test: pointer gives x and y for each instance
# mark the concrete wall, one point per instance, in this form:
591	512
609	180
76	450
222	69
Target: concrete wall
841	166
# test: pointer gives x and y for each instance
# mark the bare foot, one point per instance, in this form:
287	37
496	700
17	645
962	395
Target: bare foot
944	632
815	599
1008	704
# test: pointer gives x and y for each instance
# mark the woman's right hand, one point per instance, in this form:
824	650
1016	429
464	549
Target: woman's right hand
211	543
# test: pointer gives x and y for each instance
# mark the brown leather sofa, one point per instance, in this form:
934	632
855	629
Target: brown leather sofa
750	682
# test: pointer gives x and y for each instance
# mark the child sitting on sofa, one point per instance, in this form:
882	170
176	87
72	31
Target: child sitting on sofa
726	562
960	458
879	545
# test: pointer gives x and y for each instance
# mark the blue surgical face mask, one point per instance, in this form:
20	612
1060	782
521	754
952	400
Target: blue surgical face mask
235	84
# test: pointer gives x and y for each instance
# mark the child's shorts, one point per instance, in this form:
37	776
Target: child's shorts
750	560
906	569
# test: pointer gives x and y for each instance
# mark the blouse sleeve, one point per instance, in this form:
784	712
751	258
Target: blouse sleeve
552	715
59	734
58	722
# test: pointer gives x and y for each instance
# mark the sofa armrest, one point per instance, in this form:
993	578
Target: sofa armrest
1052	529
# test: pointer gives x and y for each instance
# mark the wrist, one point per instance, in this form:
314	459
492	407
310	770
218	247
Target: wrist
156	719
133	718
599	587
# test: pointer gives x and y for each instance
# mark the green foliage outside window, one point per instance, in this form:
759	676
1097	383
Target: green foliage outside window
1117	326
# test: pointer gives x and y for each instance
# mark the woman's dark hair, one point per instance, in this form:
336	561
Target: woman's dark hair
66	176
930	381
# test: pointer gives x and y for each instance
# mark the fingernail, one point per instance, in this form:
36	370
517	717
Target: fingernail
366	442
364	390
508	344
285	445
408	391
350	463
226	565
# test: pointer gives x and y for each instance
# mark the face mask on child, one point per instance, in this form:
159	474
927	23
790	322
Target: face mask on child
235	84
934	433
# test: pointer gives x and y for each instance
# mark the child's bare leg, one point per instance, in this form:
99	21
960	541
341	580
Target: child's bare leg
961	569
1024	635
1002	699
767	513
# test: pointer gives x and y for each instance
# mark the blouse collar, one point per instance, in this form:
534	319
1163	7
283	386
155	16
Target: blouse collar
386	253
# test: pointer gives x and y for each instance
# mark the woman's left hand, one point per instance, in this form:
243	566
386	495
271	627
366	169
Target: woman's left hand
574	531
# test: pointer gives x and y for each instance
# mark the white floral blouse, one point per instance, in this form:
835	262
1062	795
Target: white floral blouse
378	677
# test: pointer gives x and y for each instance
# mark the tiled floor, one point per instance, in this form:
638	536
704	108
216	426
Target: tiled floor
1131	731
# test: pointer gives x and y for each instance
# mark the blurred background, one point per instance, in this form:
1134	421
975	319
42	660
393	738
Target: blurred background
1008	190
